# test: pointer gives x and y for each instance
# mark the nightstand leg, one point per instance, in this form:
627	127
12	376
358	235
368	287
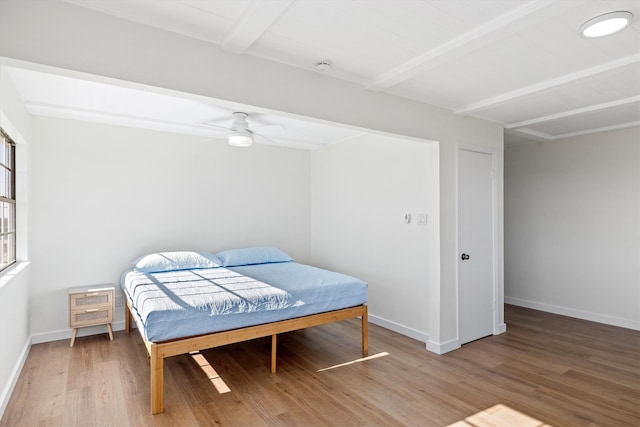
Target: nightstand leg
73	336
110	331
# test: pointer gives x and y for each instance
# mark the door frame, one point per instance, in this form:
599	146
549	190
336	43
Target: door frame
498	299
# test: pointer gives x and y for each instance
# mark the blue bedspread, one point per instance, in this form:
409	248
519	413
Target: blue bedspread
177	304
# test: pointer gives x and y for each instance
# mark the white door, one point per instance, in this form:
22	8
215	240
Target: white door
476	245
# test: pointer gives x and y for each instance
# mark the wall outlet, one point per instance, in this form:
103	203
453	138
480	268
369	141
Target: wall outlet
119	300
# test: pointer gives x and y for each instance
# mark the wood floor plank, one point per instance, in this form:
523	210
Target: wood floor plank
49	383
545	370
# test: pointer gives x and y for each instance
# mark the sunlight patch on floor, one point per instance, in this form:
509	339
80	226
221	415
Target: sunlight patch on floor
499	416
211	373
375	356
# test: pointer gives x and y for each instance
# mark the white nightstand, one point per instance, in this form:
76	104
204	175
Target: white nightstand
90	306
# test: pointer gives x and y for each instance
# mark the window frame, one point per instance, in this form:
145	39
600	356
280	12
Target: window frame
10	230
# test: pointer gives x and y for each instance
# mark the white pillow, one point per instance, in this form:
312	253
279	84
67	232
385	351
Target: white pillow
172	261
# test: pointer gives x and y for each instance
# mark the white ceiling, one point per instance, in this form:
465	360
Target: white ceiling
55	95
521	63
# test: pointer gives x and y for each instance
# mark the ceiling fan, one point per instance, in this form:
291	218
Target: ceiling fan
239	133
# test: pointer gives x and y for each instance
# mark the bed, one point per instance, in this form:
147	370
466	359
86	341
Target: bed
188	301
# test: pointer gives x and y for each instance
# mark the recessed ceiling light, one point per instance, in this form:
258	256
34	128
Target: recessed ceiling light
606	24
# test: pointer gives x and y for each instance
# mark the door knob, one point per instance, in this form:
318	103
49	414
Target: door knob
464	257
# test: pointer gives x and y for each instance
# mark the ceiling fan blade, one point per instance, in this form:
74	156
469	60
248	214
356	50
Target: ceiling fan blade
269	125
265	138
215	126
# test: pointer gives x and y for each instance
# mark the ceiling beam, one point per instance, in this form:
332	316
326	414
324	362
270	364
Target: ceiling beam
577	111
542	136
460	46
546	85
598	130
255	20
537	135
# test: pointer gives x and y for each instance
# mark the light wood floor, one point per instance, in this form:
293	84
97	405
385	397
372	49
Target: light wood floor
546	369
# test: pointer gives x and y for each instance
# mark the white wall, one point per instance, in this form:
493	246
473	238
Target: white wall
362	189
14	282
103	195
572	226
14	328
56	34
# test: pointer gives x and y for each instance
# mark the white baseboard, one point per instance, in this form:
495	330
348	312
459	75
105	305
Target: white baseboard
579	314
396	327
15	374
442	348
438	348
65	334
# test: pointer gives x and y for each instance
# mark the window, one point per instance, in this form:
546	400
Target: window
7	201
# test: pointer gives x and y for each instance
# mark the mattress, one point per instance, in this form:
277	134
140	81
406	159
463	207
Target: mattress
177	304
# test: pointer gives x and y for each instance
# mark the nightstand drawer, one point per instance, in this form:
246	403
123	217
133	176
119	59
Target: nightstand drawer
91	316
90	299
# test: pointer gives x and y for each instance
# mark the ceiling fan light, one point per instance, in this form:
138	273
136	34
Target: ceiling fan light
240	139
606	24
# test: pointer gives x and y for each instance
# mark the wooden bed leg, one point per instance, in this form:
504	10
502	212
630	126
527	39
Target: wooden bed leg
157	379
274	342
365	331
127	318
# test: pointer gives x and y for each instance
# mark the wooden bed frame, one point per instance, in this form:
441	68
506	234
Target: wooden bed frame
158	351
